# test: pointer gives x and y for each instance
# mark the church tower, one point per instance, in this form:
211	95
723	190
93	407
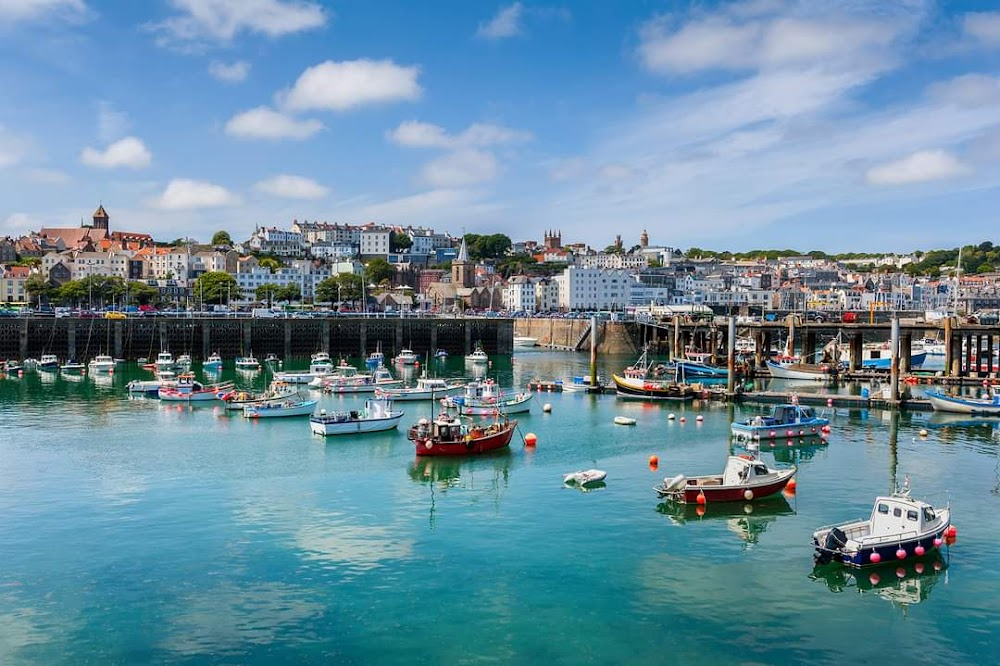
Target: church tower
101	218
462	274
644	240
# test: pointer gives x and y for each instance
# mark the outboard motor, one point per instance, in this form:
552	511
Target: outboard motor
835	540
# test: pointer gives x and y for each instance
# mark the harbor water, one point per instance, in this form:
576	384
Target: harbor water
135	531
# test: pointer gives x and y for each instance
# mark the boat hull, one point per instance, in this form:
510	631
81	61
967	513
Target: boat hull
263	411
690	370
651	390
516	405
735	493
325	426
916	361
812	427
887	549
975	407
412	395
470	446
799	371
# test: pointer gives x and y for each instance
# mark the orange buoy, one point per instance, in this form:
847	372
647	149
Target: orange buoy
654	459
791	485
701	497
700	510
951	532
530	439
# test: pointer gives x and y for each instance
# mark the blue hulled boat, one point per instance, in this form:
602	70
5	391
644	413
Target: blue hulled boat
784	421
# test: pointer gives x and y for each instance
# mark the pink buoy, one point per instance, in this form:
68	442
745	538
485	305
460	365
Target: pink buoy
937	566
791	433
919	551
938	542
900	554
875	558
829	402
801	432
772	433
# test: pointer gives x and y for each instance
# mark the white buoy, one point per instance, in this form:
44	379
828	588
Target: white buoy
671	416
700	418
923	432
547	407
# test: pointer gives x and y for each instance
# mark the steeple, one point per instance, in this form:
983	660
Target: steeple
463	252
101	218
644	239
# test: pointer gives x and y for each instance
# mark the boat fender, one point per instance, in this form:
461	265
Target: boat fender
674	483
428	445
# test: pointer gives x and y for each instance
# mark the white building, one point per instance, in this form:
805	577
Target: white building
375	241
594	288
334	234
612	260
519	294
277	241
546	295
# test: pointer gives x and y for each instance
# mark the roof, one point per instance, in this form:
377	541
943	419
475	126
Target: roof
74	237
463	252
100	212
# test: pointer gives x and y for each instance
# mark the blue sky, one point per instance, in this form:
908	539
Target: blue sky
841	126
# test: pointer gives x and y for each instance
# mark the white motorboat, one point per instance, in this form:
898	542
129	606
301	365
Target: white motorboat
73	366
524	342
281	407
407	357
183	362
247	363
478	356
48	363
376	416
186	389
164	361
987	405
356	382
814	371
213	363
483	398
427	388
102	363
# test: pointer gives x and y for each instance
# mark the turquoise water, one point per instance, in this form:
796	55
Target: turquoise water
134	531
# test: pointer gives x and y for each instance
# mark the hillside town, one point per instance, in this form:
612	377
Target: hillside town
376	267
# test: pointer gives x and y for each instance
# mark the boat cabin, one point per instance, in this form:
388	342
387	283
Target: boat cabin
784	415
901	515
741	470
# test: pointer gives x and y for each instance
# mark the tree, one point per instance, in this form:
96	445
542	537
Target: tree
614	249
72	292
222	238
290	292
493	246
378	270
400	242
270	263
142	294
268	292
215	287
340	288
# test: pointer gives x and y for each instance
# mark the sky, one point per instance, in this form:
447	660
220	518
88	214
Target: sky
844	126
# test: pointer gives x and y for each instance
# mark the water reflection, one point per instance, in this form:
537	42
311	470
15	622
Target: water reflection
747	520
900	584
794	451
487	474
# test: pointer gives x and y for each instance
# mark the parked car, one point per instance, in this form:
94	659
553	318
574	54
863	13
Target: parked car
113	314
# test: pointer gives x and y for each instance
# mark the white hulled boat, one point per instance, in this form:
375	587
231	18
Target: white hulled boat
427	388
102	363
164	362
376	416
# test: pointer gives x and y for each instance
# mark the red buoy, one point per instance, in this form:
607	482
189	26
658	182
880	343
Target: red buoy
654	460
951	532
919	551
900	554
875	558
701	498
530	439
791	485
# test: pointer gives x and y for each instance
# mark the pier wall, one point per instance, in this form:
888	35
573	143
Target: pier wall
613	337
139	337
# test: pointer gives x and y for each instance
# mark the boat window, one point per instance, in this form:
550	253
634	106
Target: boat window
883	508
911	515
928	514
759	470
897	512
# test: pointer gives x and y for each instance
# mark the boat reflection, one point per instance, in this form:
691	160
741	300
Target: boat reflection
901	584
459	475
794	450
747	520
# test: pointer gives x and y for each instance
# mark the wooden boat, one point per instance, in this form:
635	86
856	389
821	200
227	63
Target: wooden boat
427	388
478	356
102	363
377	416
585	478
784	421
483	398
279	407
898	528
985	406
188	390
745	478
449	436
815	371
639	380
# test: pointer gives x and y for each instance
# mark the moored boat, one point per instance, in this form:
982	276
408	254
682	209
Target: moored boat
377	416
73	366
406	357
213	363
247	363
583	383
585	478
744	479
48	363
639	380
478	356
279	407
525	342
483	398
813	371
164	362
237	400
790	420
898	528
988	405
188	390
101	363
696	369
449	436
427	388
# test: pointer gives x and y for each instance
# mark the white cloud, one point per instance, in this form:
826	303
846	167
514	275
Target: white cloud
13	149
222	20
186	194
230	73
292	187
460	168
506	23
435	207
416	134
567	169
339	86
129	152
112	124
972	90
48	176
983	27
921	166
25	10
20	223
265	123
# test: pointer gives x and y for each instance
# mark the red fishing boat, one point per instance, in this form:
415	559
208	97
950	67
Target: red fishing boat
745	478
448	435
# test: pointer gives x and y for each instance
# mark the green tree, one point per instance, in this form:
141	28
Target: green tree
72	292
215	287
614	249
343	287
268	292
400	242
289	293
140	293
493	246
379	270
270	263
222	238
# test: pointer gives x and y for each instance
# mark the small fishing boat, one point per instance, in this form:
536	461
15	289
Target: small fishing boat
164	361
580	383
281	407
988	405
213	363
441	353
691	369
183	362
320	365
483	398
188	390
48	363
815	371
102	363
898	528
427	388
376	358
237	400
272	361
478	356
447	435
585	478
745	478
878	355
784	421
377	416
407	357
640	380
247	363
381	378
624	420
73	366
12	367
525	342
148	387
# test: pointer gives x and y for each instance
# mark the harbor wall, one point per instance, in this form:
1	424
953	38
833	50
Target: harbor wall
613	337
140	337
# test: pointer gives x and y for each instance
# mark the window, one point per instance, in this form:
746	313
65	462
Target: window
929	514
911	515
897	512
883	508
